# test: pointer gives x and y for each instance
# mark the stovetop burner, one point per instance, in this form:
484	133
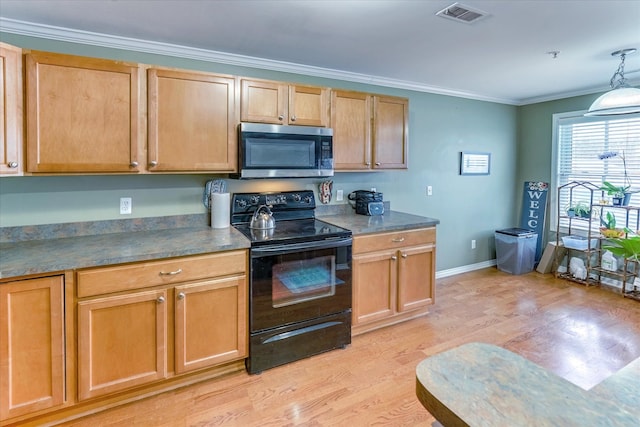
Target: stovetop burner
294	213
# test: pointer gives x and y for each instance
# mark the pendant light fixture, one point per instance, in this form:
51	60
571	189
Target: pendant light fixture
621	99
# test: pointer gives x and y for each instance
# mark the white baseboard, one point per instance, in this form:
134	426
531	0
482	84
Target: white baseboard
465	269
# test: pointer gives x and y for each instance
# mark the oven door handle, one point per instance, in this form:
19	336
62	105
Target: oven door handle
297	247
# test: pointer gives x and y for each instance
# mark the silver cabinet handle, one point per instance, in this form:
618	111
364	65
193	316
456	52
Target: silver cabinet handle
160	300
181	295
404	255
171	273
153	163
367	164
398	240
281	117
13	165
293	118
393	257
134	164
377	163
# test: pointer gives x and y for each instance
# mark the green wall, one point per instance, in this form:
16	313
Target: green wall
469	207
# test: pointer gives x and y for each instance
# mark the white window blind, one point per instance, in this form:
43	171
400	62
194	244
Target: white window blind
597	149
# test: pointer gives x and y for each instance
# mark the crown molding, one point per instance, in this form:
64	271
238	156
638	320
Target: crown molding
146	46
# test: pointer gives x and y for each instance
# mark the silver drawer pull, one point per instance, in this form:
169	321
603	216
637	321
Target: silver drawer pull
160	300
181	295
393	258
398	240
404	255
171	273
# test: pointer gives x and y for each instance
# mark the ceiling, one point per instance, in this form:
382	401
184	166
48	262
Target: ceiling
502	57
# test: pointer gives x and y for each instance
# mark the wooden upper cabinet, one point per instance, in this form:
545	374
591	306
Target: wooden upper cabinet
192	121
83	114
390	128
264	101
369	131
11	125
351	123
32	339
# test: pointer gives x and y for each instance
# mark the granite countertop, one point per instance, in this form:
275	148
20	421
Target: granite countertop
480	384
69	253
59	247
390	221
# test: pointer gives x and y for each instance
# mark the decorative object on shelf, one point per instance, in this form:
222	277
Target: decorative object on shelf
579	210
324	191
621	99
475	163
609	229
577	268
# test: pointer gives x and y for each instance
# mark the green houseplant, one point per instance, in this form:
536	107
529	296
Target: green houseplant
615	191
609	229
579	209
626	247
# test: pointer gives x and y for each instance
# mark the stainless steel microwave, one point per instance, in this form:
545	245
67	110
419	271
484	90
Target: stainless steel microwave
278	151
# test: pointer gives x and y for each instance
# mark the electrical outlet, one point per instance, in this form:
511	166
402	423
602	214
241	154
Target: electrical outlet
429	190
125	206
473	244
339	196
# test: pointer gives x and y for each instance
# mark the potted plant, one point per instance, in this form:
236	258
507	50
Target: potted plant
609	229
579	209
617	192
626	247
620	194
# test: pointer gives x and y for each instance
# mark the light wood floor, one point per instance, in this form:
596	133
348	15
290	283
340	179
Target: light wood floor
581	334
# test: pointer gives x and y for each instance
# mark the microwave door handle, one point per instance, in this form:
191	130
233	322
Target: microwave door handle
297	247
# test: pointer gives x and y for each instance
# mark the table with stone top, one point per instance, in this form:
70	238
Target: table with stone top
479	384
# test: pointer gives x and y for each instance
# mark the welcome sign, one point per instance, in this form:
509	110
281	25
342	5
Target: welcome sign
534	209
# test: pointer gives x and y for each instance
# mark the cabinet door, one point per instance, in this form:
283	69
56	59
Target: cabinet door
308	106
31	345
192	122
82	114
11	125
390	119
374	284
211	323
263	102
416	277
351	123
122	342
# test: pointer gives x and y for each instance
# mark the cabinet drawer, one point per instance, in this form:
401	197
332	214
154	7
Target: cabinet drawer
400	239
97	281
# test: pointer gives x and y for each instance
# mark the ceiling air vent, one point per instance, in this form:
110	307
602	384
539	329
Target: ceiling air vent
462	13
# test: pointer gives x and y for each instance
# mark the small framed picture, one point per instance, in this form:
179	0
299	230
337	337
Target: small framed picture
475	163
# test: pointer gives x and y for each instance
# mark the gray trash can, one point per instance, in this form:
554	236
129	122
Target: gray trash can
516	250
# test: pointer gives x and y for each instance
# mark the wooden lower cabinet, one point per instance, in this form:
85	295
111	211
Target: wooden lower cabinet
139	324
32	364
206	333
393	277
122	342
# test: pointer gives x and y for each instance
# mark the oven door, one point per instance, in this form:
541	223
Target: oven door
296	282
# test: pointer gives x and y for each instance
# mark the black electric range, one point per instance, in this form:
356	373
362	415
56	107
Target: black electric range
294	213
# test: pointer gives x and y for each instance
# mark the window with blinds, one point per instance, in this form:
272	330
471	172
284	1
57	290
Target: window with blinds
597	149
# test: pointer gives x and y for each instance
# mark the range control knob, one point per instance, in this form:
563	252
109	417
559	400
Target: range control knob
308	199
242	203
297	197
254	199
